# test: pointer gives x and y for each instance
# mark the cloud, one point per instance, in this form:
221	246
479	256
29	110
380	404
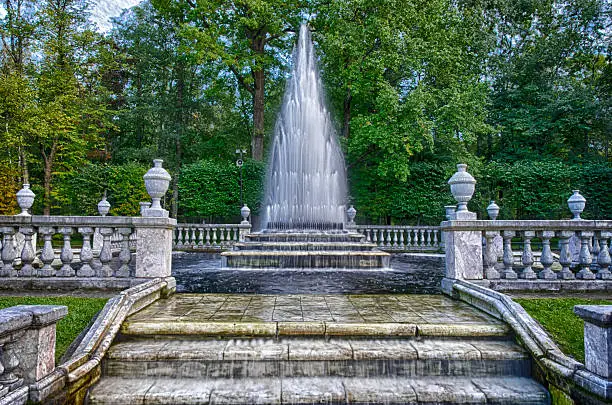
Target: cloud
103	10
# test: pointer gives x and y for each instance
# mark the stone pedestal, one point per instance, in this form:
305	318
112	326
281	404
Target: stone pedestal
464	251
597	338
154	246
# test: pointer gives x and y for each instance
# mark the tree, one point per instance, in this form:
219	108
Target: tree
248	38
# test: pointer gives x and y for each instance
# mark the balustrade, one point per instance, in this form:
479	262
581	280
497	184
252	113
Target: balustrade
208	236
402	238
66	260
555	259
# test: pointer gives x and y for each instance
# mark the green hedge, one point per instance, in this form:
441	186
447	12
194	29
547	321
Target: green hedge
124	185
522	189
211	189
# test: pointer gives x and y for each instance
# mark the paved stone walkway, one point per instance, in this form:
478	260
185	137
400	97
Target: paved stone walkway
415	309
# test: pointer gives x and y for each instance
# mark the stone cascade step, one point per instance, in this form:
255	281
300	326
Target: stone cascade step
306	259
305	246
342	236
302	357
313	390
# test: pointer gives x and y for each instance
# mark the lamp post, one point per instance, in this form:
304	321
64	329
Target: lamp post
240	163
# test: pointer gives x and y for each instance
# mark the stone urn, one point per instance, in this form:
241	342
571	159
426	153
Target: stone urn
245	211
104	206
351	213
25	199
493	210
157	181
449	211
576	204
145	205
462	186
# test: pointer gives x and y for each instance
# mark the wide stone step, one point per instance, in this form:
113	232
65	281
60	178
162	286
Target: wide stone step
304	259
305	237
305	390
246	358
305	246
199	329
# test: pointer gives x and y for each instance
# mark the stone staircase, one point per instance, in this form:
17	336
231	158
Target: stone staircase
372	363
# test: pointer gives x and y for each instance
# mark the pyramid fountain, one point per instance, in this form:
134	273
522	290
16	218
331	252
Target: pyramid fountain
306	191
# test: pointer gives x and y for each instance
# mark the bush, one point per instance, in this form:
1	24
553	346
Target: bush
123	183
211	189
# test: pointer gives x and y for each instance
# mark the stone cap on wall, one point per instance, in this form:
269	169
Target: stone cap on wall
23	316
598	314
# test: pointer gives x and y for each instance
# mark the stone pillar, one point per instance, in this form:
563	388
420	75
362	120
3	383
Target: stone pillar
464	251
597	339
154	246
34	349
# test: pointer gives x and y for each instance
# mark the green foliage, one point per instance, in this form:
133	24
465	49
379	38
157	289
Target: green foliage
557	317
80	313
124	186
211	189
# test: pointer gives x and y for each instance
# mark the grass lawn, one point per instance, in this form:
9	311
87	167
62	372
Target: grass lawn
557	317
80	312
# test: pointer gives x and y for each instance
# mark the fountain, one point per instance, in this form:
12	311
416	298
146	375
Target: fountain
305	207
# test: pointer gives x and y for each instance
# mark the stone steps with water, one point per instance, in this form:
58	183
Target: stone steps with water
171	367
306	250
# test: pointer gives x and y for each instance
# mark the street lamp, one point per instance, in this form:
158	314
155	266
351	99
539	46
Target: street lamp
240	163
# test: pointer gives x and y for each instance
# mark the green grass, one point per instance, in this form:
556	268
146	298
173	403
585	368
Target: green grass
557	317
80	313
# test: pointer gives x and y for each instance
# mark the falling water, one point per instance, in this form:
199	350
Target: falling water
306	184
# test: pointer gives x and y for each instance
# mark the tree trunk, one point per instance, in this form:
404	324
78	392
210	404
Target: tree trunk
47	187
257	142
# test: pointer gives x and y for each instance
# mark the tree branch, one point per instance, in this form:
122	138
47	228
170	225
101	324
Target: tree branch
241	80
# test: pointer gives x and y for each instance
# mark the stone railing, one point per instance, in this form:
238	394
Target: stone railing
582	250
27	348
208	236
27	251
400	238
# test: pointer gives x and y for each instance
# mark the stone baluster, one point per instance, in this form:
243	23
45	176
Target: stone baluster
374	236
125	255
585	272
188	237
27	254
194	239
46	255
86	255
527	257
106	254
508	272
8	252
565	256
402	245
547	258
222	237
10	363
207	236
594	247
388	238
200	237
421	238
179	237
436	241
603	258
428	237
66	255
368	235
214	236
490	257
409	237
395	245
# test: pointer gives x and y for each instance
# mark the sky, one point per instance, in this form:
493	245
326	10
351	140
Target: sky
103	10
